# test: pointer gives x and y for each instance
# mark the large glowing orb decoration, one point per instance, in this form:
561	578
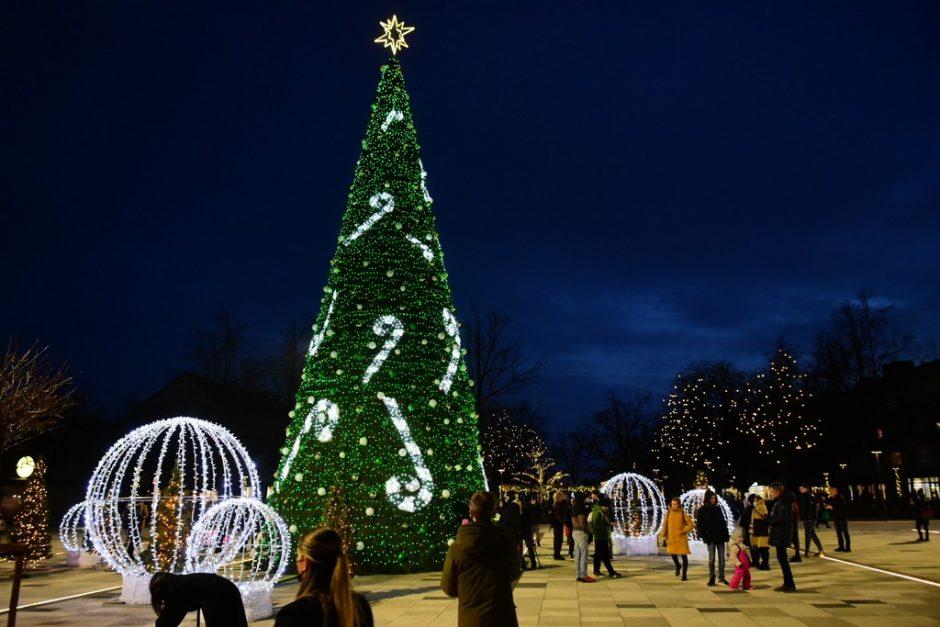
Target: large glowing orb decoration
691	502
150	489
245	541
638	507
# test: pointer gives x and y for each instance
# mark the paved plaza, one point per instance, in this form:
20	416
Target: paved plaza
830	592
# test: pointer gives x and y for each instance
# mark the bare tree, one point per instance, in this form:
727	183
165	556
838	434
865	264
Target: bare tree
539	473
287	362
619	437
496	364
217	350
35	395
861	341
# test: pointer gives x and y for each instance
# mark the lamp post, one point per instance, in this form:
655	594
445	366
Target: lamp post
884	505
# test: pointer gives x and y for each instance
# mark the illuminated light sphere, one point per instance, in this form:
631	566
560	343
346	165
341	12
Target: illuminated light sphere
72	533
692	501
248	543
638	507
175	469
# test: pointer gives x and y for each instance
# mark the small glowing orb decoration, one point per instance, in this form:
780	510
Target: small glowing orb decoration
692	501
248	543
72	529
637	507
154	484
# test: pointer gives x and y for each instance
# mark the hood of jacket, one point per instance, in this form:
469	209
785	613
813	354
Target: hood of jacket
481	537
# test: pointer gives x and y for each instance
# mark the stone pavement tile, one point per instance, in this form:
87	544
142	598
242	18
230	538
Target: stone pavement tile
732	620
900	621
802	610
775	621
830	621
553	621
685	616
647	622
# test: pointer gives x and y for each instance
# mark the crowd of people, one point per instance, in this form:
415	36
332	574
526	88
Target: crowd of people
487	558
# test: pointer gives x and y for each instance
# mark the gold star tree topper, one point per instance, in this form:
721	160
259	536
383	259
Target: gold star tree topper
394	35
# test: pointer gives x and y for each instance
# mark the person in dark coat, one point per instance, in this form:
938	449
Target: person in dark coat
558	522
781	523
835	505
510	516
807	503
922	515
712	528
481	568
325	595
530	525
174	596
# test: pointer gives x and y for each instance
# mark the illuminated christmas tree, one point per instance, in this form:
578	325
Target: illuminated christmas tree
385	407
776	420
31	522
172	525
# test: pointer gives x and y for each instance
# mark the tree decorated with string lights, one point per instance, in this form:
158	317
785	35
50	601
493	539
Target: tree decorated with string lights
31	522
776	420
385	407
700	427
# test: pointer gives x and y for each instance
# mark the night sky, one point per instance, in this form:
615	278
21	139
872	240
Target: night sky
638	185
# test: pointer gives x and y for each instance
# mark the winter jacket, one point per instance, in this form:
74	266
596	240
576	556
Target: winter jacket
838	507
600	524
781	520
217	597
676	528
760	530
511	518
710	524
530	519
807	502
558	513
479	570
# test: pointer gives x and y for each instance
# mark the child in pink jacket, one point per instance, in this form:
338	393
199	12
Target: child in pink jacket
737	554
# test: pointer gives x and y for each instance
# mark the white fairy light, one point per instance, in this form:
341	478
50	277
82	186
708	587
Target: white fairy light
325	414
393	116
319	336
384	326
450	325
384	203
425	249
693	500
421	484
129	479
638	505
72	530
424	183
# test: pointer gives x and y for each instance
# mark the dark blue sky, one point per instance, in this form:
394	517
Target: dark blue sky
638	185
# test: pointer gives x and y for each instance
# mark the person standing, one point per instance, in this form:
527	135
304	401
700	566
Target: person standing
744	522
510	516
480	568
922	513
713	530
675	534
760	534
530	525
781	530
580	537
742	563
558	523
807	504
600	523
325	595
835	505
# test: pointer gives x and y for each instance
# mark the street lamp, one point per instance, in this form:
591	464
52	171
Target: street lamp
884	505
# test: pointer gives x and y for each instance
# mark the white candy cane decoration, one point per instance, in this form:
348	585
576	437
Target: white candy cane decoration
384	203
450	325
424	184
326	414
425	249
421	484
386	325
318	337
393	116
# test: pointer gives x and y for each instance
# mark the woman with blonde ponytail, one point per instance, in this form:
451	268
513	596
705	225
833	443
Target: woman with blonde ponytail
325	596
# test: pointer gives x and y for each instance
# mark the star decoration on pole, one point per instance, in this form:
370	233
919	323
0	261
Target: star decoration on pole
394	36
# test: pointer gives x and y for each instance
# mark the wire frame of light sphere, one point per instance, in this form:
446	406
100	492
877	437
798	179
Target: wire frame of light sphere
241	539
72	530
637	504
693	500
178	468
